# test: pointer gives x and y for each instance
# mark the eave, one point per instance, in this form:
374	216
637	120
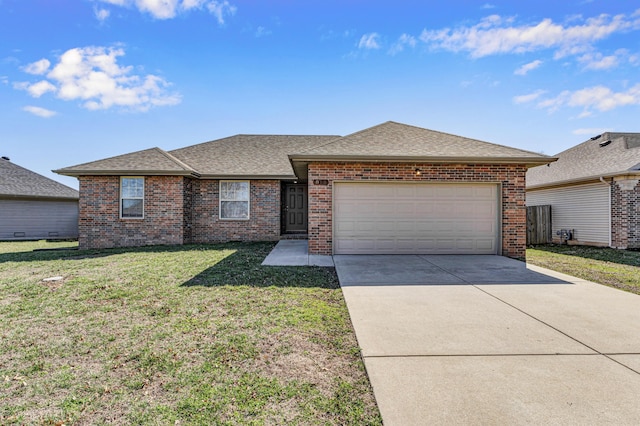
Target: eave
585	179
76	173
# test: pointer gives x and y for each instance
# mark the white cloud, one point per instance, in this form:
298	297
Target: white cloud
497	35
168	9
221	9
523	70
591	131
262	32
38	67
522	99
40	112
40	88
101	14
597	61
488	6
600	98
93	76
404	40
369	41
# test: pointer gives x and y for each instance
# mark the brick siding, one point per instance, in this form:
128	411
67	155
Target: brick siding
100	225
264	216
625	216
177	210
511	178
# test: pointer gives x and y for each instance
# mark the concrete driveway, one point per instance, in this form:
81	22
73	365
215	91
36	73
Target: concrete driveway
484	340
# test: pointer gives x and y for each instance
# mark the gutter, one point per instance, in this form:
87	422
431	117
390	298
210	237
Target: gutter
532	161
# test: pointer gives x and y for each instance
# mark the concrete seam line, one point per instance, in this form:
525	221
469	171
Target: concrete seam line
556	329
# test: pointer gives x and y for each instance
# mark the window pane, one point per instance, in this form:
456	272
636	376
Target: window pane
132	208
234	191
132	187
234	209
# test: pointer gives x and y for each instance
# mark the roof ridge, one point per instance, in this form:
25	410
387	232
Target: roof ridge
350	134
182	164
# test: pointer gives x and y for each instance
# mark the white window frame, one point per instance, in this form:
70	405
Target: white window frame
131	198
221	200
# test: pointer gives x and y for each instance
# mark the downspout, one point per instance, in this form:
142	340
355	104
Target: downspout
610	184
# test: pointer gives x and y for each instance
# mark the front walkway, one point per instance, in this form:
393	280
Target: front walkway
295	253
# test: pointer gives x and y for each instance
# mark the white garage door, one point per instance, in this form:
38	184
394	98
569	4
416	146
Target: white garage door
416	218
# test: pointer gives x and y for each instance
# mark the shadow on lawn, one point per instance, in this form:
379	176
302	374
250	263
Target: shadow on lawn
72	253
622	257
243	268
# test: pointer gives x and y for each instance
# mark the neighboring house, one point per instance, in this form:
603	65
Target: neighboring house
593	191
35	207
392	188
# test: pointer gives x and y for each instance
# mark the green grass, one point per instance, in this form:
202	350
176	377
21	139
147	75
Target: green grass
611	267
188	334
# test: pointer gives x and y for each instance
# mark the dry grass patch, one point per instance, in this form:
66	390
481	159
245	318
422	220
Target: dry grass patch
189	334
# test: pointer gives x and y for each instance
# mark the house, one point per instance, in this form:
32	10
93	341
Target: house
391	188
593	191
35	207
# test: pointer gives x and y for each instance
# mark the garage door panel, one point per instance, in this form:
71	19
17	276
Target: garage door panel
389	218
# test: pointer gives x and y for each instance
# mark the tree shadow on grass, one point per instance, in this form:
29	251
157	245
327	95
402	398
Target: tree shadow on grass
243	267
605	254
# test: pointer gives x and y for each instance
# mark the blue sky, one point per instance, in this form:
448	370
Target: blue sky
82	80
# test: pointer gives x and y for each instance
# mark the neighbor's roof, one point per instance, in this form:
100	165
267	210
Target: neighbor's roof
607	155
395	141
16	181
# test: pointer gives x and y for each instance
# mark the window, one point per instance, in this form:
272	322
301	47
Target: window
132	198
234	199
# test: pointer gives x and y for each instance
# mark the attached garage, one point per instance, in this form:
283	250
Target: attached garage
415	218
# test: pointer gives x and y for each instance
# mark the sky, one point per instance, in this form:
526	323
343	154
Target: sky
82	80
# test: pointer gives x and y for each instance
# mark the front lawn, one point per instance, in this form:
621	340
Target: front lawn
196	334
611	267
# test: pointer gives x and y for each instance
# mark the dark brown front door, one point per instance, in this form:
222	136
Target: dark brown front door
295	207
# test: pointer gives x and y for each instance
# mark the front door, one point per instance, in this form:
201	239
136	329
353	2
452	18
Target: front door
295	207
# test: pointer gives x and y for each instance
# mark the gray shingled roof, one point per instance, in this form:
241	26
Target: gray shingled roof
393	140
150	161
248	155
268	156
609	155
16	181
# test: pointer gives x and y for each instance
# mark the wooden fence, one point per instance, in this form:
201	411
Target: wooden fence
539	225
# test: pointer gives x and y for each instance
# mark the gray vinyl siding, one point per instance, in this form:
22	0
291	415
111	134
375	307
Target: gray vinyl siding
584	208
38	219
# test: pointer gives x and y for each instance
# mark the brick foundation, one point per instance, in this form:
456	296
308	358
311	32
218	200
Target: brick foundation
511	178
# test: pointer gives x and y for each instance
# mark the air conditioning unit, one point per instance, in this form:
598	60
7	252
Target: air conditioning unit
565	234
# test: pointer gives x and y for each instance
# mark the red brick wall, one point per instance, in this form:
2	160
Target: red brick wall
100	225
264	215
625	216
512	178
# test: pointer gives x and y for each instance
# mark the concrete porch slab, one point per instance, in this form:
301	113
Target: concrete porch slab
295	253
